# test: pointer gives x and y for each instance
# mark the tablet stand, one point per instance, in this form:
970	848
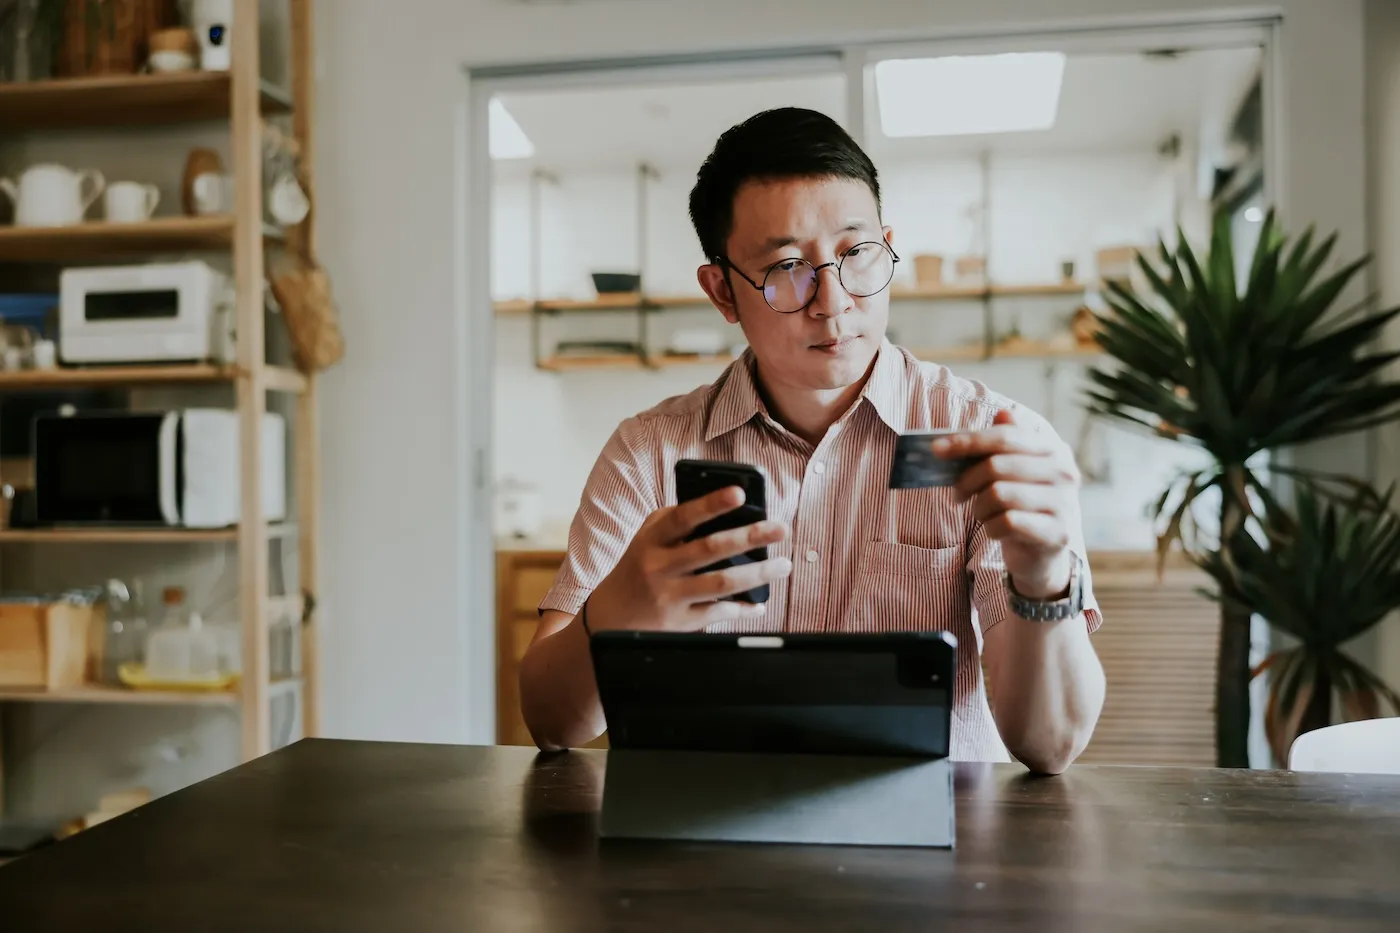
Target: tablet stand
786	798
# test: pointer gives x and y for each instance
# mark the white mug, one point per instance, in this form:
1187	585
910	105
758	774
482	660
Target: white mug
130	202
213	193
51	195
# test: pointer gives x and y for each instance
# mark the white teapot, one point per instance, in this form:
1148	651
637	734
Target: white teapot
52	196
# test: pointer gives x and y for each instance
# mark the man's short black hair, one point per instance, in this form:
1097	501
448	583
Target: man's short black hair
789	142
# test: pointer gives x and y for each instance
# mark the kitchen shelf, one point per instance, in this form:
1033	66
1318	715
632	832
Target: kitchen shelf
278	378
133	535
635	302
99	239
560	364
976	292
1022	350
97	694
124	100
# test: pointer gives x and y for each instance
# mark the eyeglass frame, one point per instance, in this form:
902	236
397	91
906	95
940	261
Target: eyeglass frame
725	262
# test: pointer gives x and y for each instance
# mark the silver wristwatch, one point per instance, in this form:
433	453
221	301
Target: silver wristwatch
1051	610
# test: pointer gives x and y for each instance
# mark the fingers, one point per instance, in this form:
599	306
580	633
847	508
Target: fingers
704	615
718	584
1035	528
680	520
998	439
722	544
1015	468
1002	497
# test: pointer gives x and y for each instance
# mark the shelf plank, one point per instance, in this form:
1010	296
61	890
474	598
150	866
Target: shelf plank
131	535
98	694
943	354
561	364
98	239
690	359
124	100
278	378
965	292
1027	350
634	302
620	302
118	695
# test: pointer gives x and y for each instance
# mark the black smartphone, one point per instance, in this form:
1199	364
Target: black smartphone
697	478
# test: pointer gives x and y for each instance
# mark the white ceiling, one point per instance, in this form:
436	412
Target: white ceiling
1108	103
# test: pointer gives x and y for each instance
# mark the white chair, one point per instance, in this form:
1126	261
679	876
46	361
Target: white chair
1371	746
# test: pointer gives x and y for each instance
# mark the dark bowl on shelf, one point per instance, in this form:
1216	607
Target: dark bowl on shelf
616	283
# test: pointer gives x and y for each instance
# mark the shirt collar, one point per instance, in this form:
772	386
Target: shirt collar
738	400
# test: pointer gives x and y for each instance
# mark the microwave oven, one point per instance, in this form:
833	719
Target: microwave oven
158	312
176	468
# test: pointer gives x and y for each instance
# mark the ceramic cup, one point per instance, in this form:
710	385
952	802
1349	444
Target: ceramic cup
213	193
130	202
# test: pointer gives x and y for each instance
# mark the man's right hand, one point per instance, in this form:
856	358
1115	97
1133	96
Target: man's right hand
654	586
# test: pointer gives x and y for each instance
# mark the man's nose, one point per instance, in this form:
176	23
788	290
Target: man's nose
832	298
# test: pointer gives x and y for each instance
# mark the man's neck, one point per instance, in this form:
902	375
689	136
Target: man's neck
809	413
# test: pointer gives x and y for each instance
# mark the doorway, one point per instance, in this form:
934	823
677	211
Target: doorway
584	308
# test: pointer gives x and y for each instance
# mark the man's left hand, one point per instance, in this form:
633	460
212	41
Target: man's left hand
1024	486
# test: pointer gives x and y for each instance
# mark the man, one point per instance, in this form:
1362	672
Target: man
787	209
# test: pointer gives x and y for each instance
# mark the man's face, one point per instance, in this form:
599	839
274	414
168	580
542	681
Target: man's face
830	344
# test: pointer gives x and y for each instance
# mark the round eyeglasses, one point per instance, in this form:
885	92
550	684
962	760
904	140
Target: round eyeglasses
791	285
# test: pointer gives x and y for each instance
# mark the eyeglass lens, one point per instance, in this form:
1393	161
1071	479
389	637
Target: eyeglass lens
864	270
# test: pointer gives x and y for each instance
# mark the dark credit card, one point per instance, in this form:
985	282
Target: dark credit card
916	467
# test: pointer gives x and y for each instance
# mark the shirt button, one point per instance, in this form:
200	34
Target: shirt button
819	468
811	557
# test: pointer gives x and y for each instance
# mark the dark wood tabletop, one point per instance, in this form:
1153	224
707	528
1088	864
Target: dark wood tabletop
362	836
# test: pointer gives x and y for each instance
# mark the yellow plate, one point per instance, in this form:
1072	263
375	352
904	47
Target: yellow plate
134	675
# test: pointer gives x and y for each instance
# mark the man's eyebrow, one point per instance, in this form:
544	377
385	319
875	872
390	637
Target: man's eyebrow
778	242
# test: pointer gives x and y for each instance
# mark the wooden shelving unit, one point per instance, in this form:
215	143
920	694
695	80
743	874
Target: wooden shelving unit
243	99
125	100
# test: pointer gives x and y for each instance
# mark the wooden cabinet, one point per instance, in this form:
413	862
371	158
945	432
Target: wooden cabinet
522	579
1157	645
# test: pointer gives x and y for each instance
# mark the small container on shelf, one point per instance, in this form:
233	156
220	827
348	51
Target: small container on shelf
43	642
928	270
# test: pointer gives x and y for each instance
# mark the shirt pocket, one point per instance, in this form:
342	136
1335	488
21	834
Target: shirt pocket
905	588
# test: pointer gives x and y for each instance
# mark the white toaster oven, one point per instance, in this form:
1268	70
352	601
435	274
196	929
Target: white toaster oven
158	312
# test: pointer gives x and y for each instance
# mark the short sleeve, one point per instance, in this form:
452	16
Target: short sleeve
621	491
988	568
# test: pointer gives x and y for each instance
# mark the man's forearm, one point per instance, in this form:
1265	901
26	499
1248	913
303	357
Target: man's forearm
558	692
1047	688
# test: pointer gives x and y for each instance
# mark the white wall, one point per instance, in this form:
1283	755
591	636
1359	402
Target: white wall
1383	176
549	427
404	658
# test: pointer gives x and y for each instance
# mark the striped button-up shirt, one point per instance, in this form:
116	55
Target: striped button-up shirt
865	558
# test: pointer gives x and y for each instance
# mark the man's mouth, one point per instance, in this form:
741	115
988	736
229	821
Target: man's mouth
835	343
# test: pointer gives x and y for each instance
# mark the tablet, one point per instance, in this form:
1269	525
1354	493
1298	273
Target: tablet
877	694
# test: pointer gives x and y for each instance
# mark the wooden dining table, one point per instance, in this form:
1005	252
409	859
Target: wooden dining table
365	836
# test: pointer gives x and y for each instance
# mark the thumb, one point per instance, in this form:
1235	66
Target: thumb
1005	416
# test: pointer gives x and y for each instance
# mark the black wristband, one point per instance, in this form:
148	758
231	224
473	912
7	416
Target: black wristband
583	619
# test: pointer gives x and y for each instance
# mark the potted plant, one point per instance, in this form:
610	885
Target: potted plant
1323	576
1241	369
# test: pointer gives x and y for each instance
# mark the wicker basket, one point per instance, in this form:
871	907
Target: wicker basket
110	36
304	291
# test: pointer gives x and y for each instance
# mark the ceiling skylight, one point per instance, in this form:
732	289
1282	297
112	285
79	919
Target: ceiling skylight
508	140
961	95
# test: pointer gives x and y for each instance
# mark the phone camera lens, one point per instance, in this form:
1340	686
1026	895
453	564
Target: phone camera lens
216	35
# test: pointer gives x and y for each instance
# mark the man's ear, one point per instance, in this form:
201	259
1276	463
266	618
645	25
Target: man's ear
889	236
712	279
